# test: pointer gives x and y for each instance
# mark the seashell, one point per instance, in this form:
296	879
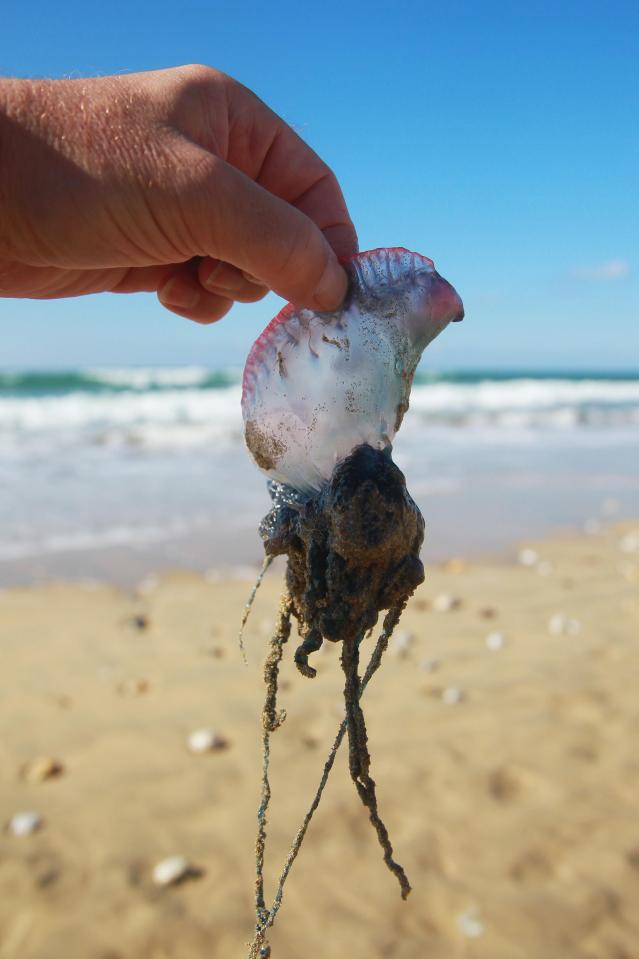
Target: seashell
528	557
24	823
42	768
205	741
561	625
317	385
170	871
630	542
455	566
495	641
453	695
446	603
592	527
402	642
470	923
429	665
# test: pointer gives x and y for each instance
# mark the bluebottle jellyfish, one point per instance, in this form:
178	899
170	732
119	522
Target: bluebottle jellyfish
323	396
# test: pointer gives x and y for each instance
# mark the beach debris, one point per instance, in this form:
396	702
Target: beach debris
148	585
402	642
214	652
323	396
429	665
593	527
630	542
25	823
206	741
446	603
421	605
174	870
561	625
455	566
469	923
453	695
488	612
528	557
132	687
495	641
138	621
41	768
632	857
629	571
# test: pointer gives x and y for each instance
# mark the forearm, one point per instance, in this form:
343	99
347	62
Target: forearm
11	93
53	149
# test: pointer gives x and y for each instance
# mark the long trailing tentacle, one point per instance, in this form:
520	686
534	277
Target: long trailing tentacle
258	947
272	719
247	609
359	759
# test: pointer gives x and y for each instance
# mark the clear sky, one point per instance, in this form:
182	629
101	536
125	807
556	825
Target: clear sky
501	139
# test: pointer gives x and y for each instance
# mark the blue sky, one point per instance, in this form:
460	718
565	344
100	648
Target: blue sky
501	139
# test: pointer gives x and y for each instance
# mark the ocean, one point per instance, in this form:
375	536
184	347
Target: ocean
119	473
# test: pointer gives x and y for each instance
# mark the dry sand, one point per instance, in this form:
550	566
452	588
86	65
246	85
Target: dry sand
512	800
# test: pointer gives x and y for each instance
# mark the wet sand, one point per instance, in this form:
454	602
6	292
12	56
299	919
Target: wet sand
508	776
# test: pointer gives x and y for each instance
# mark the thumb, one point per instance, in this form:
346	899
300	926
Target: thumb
269	239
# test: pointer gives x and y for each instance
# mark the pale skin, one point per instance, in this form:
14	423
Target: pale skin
177	181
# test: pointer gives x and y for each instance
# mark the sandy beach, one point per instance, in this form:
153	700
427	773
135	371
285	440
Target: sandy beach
502	731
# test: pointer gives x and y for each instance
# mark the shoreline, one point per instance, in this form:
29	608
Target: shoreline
237	554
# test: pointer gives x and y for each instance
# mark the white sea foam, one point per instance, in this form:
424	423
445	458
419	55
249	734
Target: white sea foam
164	409
150	463
145	378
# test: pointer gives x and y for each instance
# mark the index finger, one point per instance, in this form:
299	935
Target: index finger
264	147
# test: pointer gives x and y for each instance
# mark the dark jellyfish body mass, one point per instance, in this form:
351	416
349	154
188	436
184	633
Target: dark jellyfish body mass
353	550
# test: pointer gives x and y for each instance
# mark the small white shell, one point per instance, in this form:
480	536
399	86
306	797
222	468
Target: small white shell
528	557
24	823
446	603
429	665
452	695
402	642
205	741
169	871
630	542
469	923
495	641
561	625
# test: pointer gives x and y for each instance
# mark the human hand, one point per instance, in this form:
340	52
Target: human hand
179	181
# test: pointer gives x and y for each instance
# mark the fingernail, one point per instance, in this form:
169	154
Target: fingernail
208	280
252	279
179	293
331	289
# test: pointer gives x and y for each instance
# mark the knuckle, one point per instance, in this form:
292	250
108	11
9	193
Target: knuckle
198	73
